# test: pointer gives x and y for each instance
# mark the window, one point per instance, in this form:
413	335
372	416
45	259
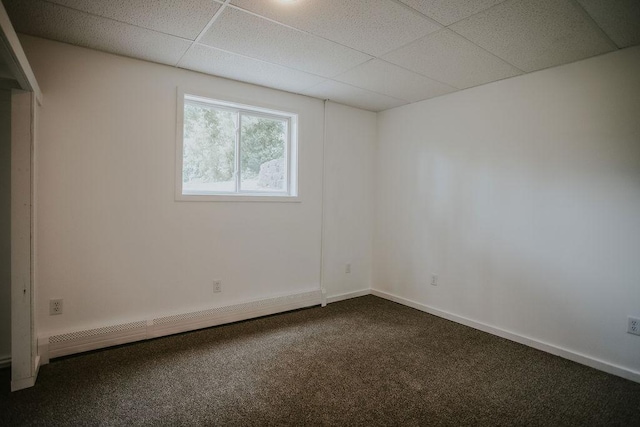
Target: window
229	151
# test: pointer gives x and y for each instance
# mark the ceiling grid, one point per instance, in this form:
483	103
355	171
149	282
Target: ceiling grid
371	54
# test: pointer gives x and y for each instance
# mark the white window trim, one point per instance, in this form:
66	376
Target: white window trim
293	194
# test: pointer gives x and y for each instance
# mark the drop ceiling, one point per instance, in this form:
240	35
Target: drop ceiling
371	54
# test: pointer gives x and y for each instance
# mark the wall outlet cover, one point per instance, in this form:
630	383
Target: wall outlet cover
217	286
634	325
55	306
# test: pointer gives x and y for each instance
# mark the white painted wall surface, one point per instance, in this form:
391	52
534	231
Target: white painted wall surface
5	225
524	197
112	242
348	199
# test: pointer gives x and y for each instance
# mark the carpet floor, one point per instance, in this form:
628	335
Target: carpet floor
365	361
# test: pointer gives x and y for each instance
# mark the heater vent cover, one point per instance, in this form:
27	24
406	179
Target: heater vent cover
96	332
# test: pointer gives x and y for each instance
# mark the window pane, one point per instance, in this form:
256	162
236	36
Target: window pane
263	153
208	150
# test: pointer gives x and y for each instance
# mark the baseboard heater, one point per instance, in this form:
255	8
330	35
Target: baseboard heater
92	339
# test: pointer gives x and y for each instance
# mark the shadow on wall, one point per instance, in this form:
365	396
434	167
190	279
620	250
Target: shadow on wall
5	226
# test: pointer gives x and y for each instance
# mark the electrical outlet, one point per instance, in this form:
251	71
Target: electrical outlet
347	268
55	306
217	286
634	326
434	280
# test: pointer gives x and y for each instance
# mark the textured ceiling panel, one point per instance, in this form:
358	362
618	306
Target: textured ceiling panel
324	48
213	61
388	79
356	97
371	26
449	58
620	19
269	41
447	12
55	22
535	34
180	18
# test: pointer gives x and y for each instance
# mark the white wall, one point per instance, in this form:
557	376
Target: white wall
112	242
349	202
524	197
5	225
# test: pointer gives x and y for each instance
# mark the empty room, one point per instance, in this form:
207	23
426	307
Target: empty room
320	212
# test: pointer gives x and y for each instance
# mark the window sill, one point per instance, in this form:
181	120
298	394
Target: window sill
237	198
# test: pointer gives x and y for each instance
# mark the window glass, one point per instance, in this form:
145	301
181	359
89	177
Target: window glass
263	152
228	149
208	149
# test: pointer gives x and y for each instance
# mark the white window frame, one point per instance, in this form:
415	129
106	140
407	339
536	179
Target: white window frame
291	150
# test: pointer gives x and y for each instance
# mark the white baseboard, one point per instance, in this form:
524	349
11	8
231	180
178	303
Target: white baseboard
5	362
232	313
23	383
540	345
92	339
348	295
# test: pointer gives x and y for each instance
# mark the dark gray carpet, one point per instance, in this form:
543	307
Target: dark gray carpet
365	361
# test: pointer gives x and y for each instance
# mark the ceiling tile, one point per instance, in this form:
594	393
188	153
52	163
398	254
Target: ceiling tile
620	19
370	26
180	18
241	32
382	77
449	58
447	12
55	22
353	96
224	64
535	34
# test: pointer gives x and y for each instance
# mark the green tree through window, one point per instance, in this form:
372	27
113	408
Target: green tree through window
209	144
230	150
262	141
